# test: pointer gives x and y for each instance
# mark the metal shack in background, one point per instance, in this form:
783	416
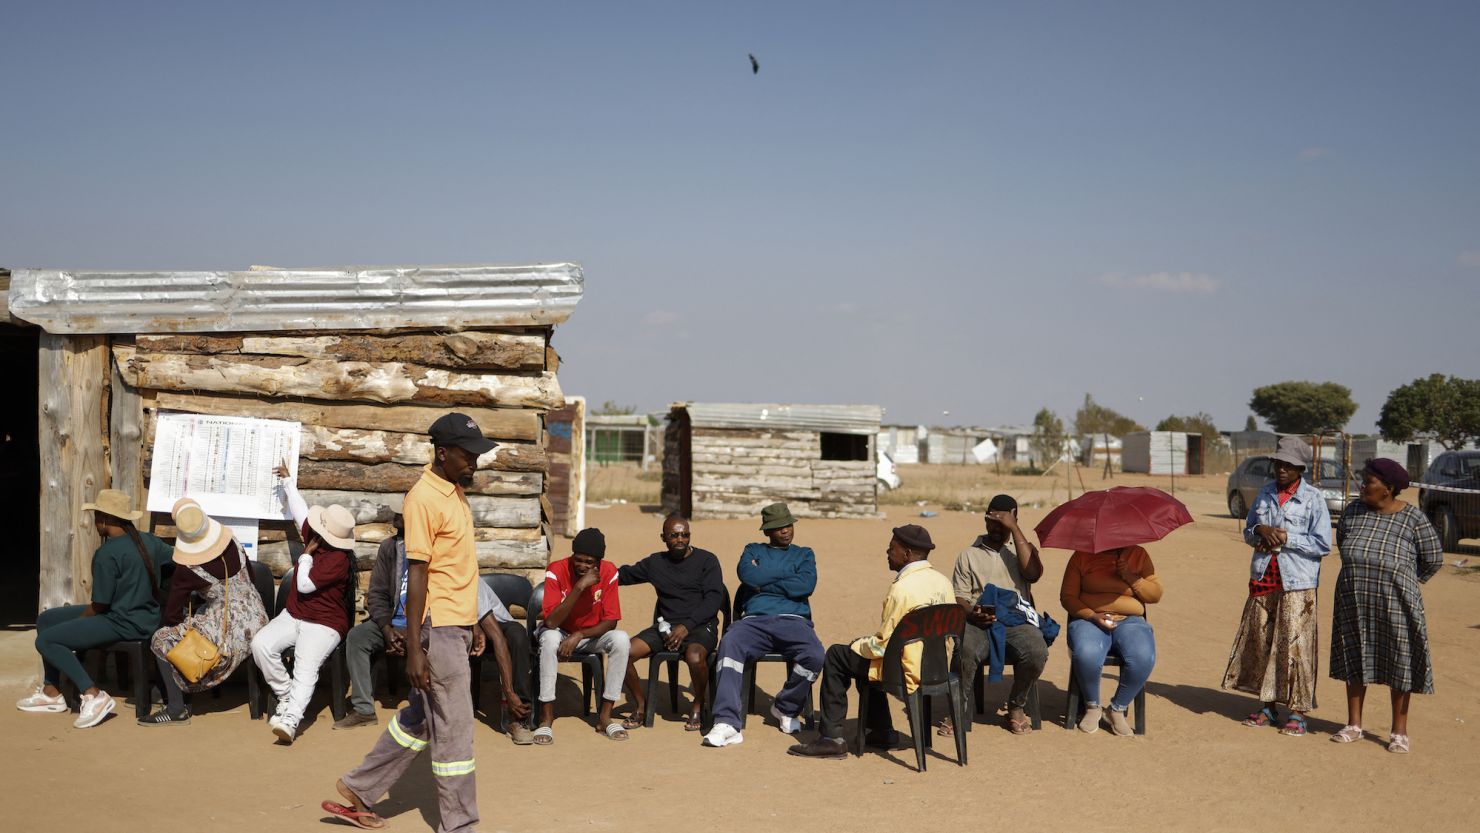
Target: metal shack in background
729	460
364	358
1162	452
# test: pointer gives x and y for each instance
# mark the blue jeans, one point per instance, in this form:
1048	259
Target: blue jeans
1088	646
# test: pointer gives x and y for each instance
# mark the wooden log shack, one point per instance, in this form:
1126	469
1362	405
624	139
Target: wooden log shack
363	359
729	460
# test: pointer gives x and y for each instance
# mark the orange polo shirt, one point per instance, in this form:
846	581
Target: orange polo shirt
439	531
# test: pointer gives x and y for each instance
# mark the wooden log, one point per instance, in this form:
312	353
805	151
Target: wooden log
492	555
495	423
372	447
71	431
372	507
472	350
394	477
125	435
384	382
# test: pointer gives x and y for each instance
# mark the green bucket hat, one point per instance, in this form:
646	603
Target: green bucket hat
776	516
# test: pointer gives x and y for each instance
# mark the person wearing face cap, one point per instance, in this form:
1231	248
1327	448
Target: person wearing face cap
318	611
1274	654
1379	633
441	611
776	581
916	584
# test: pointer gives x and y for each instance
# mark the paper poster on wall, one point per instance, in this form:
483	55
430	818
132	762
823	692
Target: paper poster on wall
224	462
245	530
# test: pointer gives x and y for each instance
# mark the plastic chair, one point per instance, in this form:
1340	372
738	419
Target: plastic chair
337	662
658	659
140	674
592	672
747	683
1074	711
511	590
934	626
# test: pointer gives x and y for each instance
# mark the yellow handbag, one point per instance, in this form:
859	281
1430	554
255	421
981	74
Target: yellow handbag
194	655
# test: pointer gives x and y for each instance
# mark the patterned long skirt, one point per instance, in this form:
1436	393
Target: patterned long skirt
1274	656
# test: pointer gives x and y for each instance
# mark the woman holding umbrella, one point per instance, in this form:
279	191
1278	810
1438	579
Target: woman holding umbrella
1379	635
1107	585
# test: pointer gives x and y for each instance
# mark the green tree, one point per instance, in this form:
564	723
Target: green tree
1199	423
1250	424
1444	407
1093	418
1048	437
1304	407
612	408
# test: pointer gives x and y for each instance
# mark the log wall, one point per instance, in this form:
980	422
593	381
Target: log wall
735	472
365	402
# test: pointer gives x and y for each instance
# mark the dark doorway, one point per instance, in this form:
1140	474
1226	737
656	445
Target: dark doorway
20	476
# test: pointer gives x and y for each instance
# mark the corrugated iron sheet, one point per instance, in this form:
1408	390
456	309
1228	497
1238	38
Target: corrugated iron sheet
841	419
372	298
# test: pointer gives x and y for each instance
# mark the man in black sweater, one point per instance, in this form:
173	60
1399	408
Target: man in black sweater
690	590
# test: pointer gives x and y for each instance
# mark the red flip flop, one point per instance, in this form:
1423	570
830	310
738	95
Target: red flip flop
353	816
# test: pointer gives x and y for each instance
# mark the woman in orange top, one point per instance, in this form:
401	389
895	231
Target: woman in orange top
1106	594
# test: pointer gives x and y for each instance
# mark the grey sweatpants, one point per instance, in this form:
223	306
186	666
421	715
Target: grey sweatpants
614	643
442	717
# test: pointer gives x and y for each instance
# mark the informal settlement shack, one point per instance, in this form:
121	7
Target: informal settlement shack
729	460
364	359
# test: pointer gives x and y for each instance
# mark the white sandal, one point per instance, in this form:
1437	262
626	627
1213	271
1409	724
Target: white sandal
1347	734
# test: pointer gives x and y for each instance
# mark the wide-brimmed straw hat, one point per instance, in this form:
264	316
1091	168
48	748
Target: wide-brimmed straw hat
116	503
333	523
198	536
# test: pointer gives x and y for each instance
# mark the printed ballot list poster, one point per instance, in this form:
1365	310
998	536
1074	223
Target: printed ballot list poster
224	462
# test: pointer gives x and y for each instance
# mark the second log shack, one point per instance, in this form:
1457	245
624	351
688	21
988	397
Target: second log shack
729	460
365	359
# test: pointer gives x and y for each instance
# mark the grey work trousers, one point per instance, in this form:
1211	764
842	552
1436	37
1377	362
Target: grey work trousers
614	643
440	717
1027	653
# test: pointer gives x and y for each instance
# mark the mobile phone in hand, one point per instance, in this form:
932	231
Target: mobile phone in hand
990	610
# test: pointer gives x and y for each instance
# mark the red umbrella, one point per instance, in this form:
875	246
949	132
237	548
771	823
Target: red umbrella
1120	517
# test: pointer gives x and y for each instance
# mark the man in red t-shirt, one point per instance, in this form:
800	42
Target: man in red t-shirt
580	613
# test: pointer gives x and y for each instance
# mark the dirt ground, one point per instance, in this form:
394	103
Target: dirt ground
1196	768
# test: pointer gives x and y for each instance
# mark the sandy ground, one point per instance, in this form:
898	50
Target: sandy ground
1197	768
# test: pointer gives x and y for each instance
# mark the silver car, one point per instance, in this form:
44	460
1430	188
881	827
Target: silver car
1245	482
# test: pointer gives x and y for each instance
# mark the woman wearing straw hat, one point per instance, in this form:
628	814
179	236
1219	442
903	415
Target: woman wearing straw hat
231	613
318	611
125	605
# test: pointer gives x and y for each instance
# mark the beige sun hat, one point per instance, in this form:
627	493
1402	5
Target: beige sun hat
334	524
116	503
198	536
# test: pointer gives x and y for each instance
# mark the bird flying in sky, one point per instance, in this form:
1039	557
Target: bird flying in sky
755	66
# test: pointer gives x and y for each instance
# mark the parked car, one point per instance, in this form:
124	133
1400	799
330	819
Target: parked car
1245	482
1454	515
888	477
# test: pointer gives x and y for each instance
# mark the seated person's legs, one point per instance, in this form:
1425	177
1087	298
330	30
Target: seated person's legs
742	643
314	645
616	645
799	644
1136	644
1028	654
517	637
267	649
549	639
646	643
360	646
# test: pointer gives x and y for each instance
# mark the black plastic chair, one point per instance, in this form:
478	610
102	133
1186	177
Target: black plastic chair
511	590
747	683
1075	710
140	676
337	662
658	659
592	670
934	626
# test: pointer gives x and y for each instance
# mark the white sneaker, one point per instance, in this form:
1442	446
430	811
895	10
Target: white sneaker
39	702
284	729
723	734
94	709
789	725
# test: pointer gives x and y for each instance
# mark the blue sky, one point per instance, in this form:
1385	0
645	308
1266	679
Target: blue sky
981	208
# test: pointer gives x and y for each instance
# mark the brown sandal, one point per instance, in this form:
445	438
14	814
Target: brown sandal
1020	726
945	728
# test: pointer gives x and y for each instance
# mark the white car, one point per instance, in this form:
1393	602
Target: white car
888	477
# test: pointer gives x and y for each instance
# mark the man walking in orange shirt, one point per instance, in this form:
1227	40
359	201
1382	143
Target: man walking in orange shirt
441	610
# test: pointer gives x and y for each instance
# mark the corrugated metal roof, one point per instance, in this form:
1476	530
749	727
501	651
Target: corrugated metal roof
368	298
841	419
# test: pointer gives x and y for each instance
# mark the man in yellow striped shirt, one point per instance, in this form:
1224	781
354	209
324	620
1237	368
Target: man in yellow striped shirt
916	584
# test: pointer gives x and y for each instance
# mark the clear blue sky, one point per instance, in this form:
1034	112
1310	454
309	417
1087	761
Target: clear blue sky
976	207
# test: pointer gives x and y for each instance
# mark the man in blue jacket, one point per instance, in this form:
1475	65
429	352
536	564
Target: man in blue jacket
777	578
